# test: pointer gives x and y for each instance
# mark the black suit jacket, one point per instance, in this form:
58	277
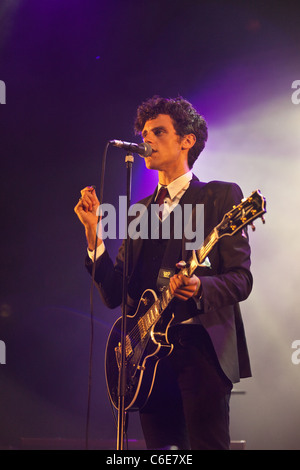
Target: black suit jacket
226	283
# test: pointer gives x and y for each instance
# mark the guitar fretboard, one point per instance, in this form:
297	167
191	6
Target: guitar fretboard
207	246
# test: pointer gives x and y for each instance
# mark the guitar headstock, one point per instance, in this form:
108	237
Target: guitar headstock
243	214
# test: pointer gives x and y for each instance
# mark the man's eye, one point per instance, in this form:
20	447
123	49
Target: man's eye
158	132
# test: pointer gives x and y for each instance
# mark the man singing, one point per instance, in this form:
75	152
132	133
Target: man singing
188	407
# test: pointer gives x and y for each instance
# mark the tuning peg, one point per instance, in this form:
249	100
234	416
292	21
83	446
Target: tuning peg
263	219
253	227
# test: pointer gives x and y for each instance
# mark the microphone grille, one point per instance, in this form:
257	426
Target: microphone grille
148	149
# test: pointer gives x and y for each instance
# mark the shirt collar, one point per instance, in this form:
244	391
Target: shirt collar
181	183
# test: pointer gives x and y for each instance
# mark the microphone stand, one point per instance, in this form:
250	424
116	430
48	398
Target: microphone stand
122	371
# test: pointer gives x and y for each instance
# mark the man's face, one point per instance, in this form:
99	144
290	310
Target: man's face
166	144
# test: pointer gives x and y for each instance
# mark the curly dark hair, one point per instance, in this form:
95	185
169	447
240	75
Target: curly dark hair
186	120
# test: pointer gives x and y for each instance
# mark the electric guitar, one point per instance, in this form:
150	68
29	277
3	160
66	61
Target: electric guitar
146	341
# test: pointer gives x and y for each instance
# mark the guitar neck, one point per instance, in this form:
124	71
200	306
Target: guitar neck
160	305
207	246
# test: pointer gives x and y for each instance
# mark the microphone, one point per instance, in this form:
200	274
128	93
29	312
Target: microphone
143	150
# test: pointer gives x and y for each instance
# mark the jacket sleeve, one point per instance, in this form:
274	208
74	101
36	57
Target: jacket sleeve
230	280
108	277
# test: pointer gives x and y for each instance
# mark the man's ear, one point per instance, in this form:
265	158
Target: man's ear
188	141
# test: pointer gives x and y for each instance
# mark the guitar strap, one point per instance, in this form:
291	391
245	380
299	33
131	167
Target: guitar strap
163	277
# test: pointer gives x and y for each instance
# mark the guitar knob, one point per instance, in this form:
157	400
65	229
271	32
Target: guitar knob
263	219
253	227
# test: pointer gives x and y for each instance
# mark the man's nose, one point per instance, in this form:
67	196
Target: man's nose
148	139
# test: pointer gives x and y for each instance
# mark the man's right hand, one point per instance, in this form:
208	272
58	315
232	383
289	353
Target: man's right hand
86	211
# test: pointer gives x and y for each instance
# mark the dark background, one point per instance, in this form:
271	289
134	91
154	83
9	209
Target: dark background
75	71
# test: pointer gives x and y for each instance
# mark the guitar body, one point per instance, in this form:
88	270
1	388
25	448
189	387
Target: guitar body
144	349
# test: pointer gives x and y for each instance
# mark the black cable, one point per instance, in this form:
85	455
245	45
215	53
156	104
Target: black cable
91	300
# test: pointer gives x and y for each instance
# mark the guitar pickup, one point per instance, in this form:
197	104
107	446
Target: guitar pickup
118	355
128	351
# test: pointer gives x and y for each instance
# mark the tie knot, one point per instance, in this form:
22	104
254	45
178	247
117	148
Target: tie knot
162	194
